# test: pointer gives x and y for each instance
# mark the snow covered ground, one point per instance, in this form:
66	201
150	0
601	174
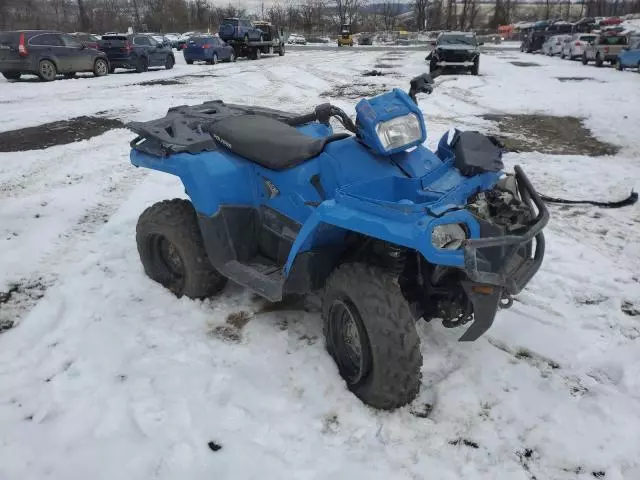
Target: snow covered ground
107	375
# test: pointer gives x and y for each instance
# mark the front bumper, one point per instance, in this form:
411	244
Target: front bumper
455	64
506	263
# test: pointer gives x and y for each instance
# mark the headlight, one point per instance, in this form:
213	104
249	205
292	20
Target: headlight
449	236
399	131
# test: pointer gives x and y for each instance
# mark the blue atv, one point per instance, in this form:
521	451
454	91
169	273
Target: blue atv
387	230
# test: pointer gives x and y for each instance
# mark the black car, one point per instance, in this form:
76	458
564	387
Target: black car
47	54
365	39
455	50
533	41
136	51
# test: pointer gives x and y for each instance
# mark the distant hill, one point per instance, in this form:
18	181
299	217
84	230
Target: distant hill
379	8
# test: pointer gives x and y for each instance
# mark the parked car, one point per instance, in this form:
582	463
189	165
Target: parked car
365	39
87	39
629	57
173	38
294	38
559	28
533	41
182	41
574	46
239	29
162	40
47	54
457	50
605	49
553	45
208	49
136	51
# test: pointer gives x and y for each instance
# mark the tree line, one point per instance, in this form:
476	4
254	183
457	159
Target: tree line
322	17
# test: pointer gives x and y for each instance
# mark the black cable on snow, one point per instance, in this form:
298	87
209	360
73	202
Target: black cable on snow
630	200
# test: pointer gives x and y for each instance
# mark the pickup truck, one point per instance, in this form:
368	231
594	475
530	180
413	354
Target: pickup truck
605	48
136	51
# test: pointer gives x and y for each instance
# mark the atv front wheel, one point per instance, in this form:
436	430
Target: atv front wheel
370	333
172	251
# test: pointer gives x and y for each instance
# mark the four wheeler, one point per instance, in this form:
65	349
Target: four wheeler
387	231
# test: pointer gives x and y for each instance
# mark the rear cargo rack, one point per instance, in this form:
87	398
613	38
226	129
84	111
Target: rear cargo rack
185	129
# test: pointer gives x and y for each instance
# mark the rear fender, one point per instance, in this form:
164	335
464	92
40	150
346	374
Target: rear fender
210	179
330	222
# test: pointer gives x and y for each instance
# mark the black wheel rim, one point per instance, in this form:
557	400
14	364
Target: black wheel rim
169	263
349	342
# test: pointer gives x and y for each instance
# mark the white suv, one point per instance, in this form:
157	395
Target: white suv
574	47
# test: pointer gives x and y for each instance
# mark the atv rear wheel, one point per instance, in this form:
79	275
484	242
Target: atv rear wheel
172	251
370	333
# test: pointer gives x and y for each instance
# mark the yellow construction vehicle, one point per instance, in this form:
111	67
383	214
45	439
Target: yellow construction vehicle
345	37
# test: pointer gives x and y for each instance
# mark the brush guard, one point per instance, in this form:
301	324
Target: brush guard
498	267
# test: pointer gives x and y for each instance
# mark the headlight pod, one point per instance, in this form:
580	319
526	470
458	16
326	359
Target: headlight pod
448	236
399	131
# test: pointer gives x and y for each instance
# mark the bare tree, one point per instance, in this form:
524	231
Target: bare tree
503	12
311	14
451	14
85	22
390	11
348	10
420	9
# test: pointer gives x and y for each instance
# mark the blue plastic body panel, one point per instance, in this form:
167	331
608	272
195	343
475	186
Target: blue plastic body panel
398	198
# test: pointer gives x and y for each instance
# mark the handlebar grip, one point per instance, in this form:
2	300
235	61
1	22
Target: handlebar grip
302	119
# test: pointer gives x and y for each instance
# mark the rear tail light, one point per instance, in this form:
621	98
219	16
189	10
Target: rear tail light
578	44
22	47
606	49
206	45
127	47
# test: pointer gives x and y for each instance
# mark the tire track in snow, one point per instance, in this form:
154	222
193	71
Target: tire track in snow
60	166
70	247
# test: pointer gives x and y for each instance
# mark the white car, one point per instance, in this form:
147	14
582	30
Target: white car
553	45
574	47
298	39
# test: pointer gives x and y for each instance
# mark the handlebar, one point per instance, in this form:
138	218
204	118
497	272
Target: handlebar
323	114
302	119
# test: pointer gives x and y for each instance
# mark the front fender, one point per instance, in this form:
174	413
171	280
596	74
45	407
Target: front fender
330	221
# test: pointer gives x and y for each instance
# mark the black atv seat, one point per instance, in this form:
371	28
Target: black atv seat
267	141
